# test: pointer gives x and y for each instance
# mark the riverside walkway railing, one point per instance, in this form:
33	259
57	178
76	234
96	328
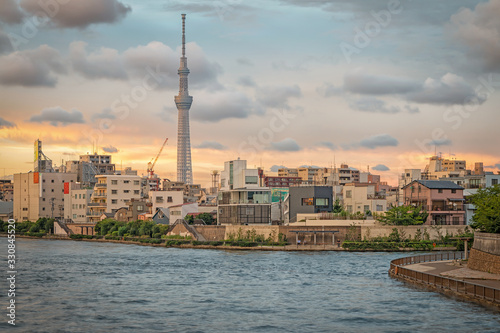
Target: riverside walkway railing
459	286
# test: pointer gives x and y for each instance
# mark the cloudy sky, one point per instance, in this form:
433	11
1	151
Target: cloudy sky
384	84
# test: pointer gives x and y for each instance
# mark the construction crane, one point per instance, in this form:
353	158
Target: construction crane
152	163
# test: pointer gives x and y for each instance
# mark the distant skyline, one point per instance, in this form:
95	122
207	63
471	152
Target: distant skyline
384	84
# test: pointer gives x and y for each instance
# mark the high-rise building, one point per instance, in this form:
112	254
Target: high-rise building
183	102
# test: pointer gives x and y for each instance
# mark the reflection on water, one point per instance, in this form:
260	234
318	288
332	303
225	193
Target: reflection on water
66	286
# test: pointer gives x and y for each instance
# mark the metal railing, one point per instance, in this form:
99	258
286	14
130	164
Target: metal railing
460	286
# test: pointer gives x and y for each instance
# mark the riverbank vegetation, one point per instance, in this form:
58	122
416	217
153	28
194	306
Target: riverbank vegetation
398	240
487	215
40	228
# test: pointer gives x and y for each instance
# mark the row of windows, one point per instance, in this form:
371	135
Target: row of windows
78	206
80	196
125	191
115	182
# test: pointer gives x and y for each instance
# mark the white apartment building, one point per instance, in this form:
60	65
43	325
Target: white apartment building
236	175
76	200
111	192
165	199
40	194
362	198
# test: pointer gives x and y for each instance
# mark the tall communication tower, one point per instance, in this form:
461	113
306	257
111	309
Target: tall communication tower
183	102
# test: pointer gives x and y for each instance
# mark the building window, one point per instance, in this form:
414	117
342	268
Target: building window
494	182
136	191
349	208
79	196
114	191
43	208
322	201
76	196
114	182
440	190
136	182
126	191
52	181
25	209
126	181
366	208
251	179
140	208
380	208
83	196
453	191
169	199
43	199
114	201
307	201
250	211
52	190
348	194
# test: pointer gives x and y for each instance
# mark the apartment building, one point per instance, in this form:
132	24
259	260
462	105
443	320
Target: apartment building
363	197
76	201
112	192
40	194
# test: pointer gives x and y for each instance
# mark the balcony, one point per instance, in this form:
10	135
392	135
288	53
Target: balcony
99	195
97	204
101	185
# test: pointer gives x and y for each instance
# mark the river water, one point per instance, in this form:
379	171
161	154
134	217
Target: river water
67	286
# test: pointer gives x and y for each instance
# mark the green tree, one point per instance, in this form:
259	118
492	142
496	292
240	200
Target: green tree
207	218
337	207
404	215
487	215
189	219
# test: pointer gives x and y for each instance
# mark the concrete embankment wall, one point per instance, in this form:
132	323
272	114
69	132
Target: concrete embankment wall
485	253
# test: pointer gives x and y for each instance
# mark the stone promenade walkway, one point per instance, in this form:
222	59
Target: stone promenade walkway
453	269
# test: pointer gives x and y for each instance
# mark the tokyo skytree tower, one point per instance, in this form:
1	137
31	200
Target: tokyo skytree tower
183	102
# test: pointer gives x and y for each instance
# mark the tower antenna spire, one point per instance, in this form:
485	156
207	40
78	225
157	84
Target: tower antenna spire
183	35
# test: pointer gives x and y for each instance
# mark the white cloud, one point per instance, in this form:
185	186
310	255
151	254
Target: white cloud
370	104
155	59
57	115
479	30
362	83
287	144
6	124
222	104
277	96
10	12
450	89
328	145
106	63
381	167
31	67
381	140
210	145
77	13
110	149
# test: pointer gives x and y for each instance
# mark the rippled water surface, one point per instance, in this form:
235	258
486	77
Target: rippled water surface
65	286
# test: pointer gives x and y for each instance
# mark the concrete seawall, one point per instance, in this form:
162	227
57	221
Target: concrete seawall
485	253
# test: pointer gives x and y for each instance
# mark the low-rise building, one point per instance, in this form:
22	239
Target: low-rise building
76	200
308	199
443	200
363	198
